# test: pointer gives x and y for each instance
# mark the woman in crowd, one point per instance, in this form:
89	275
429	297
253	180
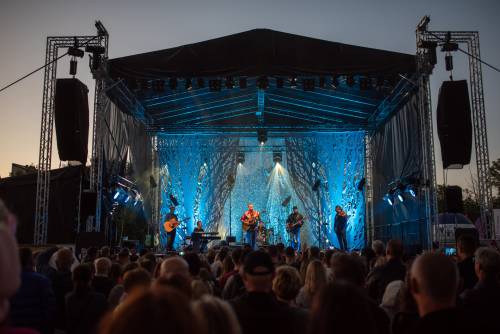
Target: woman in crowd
315	280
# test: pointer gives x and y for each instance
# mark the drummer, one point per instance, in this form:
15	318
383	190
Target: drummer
261	234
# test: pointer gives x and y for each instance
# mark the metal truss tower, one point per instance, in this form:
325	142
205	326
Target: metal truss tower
47	121
426	45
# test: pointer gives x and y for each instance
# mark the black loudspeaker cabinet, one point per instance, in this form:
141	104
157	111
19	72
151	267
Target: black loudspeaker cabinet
454	200
71	113
454	124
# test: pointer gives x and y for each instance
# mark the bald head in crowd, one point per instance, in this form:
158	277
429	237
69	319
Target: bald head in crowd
434	283
174	265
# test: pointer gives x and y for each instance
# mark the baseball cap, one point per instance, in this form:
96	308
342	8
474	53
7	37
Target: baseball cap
258	263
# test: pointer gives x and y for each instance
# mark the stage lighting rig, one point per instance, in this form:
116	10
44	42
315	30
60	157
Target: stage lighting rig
262	136
240	157
293	82
277	157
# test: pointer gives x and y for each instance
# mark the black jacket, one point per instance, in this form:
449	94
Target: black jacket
84	310
380	277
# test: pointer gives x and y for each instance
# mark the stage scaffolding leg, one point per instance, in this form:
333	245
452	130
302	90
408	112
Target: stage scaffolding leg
368	192
47	122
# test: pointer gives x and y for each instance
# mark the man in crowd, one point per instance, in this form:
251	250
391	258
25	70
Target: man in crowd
258	310
483	301
101	281
433	285
466	246
61	283
33	305
393	270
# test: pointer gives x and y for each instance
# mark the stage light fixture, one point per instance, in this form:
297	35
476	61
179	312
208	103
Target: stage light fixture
75	52
389	199
277	157
335	81
240	157
263	82
279	82
410	189
200	82
229	83
293	82
399	194
364	83
308	84
172	83
117	194
262	136
350	80
243	83
158	85
214	85
321	82
127	199
188	84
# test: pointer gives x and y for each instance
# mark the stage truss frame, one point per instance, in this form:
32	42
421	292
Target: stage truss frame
425	55
53	44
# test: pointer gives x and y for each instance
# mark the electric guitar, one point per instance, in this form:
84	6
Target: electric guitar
292	227
172	224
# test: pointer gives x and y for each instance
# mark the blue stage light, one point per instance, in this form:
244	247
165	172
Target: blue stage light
117	193
389	199
127	199
411	190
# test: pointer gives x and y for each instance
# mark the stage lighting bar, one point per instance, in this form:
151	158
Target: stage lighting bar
243	83
277	157
263	82
214	85
240	157
308	84
262	136
172	83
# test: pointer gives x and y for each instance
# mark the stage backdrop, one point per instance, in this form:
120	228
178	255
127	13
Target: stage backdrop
196	170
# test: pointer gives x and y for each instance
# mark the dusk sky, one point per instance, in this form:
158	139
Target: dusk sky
141	26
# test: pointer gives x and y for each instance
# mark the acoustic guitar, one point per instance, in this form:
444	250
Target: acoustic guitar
172	224
249	224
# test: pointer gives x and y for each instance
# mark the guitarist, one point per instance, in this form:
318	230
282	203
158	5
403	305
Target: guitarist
171	217
293	224
250	220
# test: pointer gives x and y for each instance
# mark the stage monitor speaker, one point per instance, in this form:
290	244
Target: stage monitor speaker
454	200
454	124
71	114
467	231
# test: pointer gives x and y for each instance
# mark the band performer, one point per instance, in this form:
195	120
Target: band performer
171	223
340	227
196	237
293	224
261	234
250	219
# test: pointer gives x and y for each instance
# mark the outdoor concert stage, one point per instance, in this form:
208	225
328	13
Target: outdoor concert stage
261	116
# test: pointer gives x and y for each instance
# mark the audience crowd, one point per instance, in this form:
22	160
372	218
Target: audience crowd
239	291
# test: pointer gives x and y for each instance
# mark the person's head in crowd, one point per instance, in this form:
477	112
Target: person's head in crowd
124	257
433	283
391	297
223	252
378	247
115	272
466	246
281	248
82	275
394	249
176	281
92	253
327	257
102	266
348	268
143	252
258	270
216	316
341	307
135	280
315	278
174	265
26	257
9	258
227	265
105	252
64	259
194	263
154	310
134	258
289	255
286	284
487	264
147	265
211	253
236	257
314	253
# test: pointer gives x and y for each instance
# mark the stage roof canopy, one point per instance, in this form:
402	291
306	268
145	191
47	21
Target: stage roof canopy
261	79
